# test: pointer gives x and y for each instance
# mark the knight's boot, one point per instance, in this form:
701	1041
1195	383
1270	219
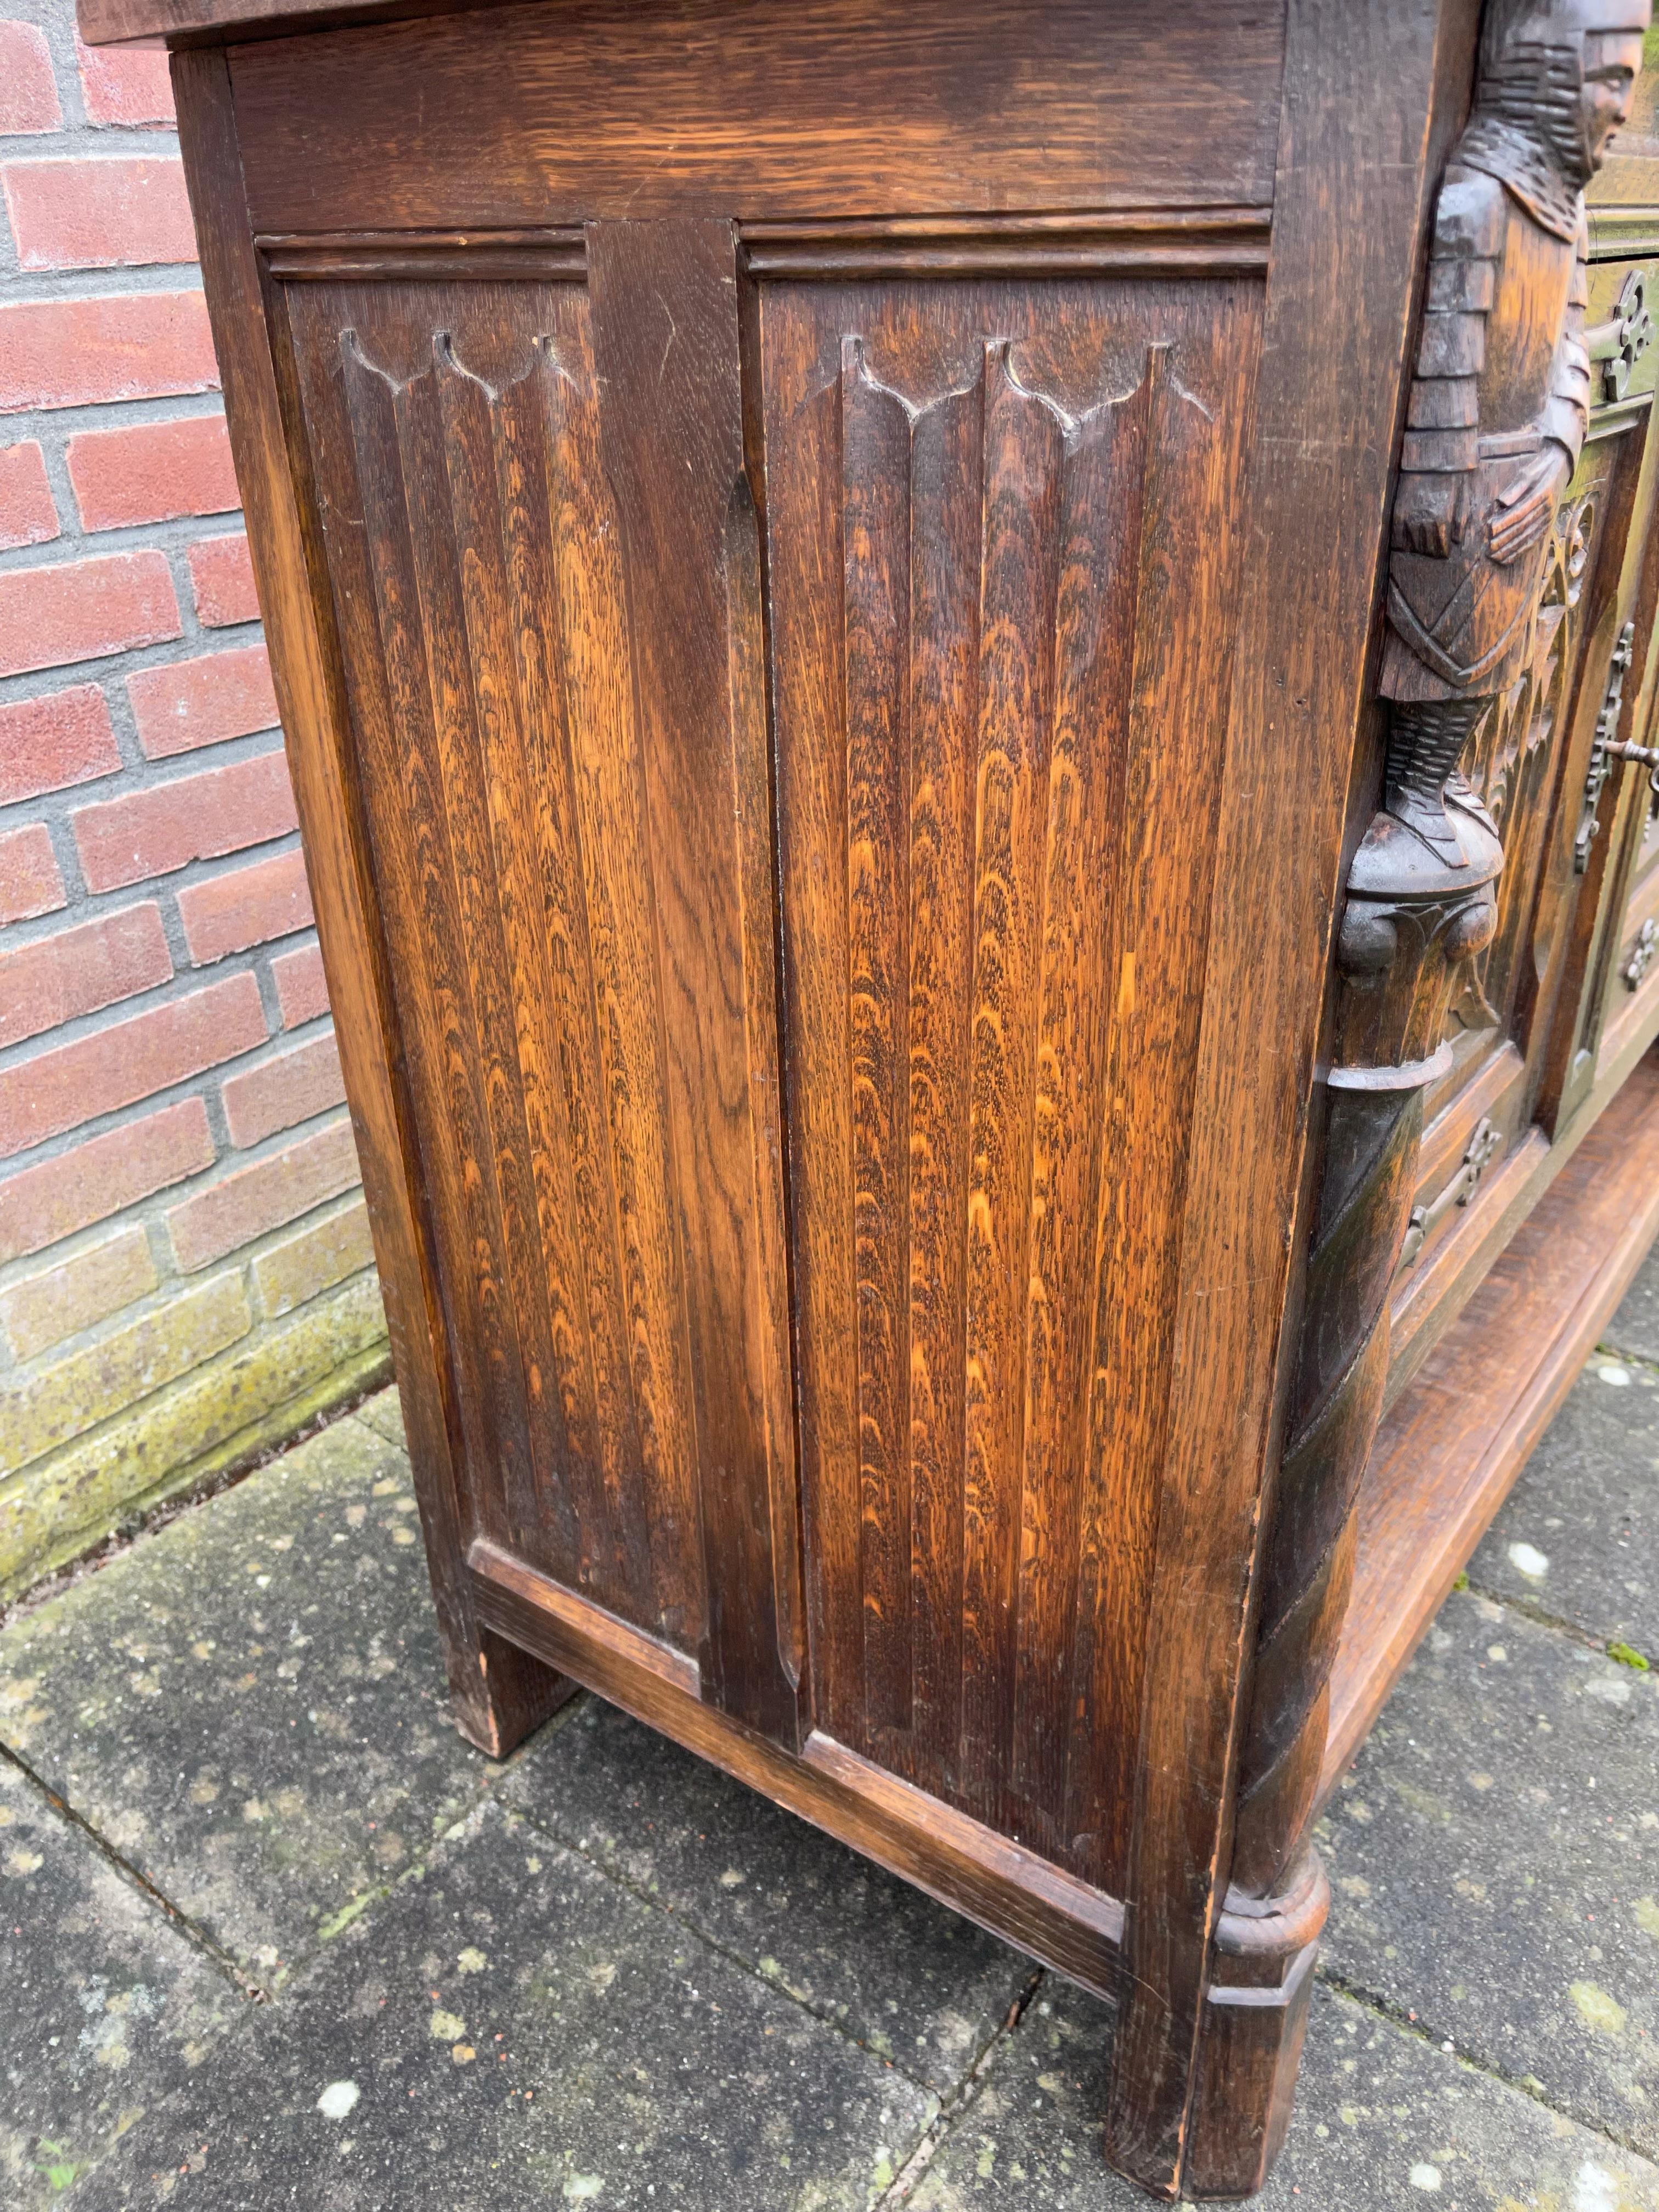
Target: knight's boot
1425	743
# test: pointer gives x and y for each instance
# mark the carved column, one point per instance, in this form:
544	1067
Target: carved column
1411	919
1494	428
1498	413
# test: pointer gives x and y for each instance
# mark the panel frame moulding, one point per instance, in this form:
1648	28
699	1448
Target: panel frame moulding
556	255
1152	241
998	1884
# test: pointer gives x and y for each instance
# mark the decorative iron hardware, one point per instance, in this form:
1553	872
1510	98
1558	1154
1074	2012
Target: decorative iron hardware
1619	343
1604	751
1482	1149
1640	958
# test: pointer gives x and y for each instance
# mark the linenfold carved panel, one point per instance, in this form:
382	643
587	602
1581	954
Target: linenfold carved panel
479	581
1000	521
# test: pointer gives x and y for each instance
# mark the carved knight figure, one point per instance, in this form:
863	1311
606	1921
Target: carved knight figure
1500	400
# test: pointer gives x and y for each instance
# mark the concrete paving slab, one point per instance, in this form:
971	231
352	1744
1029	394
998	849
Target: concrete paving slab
250	1705
512	2029
106	2005
1495	1856
916	1983
1385	2122
384	1415
1635	1327
1578	1537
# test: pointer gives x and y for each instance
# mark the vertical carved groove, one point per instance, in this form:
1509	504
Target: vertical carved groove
946	442
472	534
1022	461
876	599
1017	658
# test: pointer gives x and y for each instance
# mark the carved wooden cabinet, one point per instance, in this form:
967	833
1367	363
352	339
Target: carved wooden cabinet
949	671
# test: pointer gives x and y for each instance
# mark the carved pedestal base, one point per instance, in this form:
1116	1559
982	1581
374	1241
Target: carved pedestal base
1250	2042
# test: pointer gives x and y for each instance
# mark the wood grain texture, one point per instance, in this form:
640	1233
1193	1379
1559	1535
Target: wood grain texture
690	107
582	910
965	1865
667	354
1350	205
1207	241
461	257
993	562
182	24
453	434
500	1691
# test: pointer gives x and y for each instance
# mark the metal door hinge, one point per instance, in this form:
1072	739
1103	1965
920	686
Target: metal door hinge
1605	749
1479	1154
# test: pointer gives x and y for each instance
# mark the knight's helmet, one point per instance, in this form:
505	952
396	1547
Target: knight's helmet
1528	119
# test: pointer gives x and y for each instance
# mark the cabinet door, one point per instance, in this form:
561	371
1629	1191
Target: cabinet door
544	570
1004	533
1523	1026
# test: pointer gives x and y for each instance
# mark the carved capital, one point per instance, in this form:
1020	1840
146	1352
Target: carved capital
1411	921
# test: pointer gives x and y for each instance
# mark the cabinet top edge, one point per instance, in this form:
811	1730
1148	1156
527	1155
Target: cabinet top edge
219	22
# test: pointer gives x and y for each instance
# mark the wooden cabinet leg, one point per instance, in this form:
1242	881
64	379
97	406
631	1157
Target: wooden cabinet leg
1411	919
1250	2036
515	1694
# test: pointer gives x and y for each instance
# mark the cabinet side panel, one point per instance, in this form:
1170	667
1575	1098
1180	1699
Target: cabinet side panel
1002	533
477	580
500	1693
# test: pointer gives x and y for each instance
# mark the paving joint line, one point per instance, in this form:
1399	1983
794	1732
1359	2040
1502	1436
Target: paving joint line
1606	1350
961	2100
721	1950
363	1902
1397	2015
1529	1608
192	1930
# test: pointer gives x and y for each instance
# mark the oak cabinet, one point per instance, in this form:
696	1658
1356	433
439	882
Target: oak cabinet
944	668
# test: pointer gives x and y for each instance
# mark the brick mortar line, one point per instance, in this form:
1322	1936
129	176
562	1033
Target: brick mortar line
172	1285
190	1928
625	1881
1448	2045
184	1087
151	1524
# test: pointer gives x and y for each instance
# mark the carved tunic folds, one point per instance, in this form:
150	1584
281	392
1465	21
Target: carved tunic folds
1502	370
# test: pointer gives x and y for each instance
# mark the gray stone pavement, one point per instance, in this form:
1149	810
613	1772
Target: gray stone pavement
275	1937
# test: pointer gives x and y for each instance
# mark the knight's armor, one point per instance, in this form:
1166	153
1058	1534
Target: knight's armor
1495	385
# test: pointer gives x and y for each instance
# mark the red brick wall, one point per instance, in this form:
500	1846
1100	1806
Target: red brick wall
182	1247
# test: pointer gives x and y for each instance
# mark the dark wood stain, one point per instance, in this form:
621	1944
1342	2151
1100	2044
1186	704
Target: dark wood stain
824	644
693	108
